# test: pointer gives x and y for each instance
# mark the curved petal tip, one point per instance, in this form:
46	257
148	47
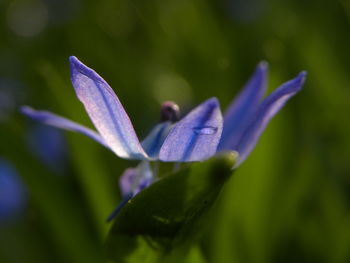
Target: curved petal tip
301	77
75	63
263	65
297	83
73	59
213	102
77	67
26	110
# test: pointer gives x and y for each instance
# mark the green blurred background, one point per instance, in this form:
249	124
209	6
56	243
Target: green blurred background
289	202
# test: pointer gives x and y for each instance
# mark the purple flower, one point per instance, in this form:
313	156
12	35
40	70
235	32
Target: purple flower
13	197
131	182
49	146
196	137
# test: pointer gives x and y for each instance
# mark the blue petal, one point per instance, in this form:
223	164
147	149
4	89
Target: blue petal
268	108
126	181
13	197
62	123
105	111
131	182
241	110
49	146
154	140
117	210
196	136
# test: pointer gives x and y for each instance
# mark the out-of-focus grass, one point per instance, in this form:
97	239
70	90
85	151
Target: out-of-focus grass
289	202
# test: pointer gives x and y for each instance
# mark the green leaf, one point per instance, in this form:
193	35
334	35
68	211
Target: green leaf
160	223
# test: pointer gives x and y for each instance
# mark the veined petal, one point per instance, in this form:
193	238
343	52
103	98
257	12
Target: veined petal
241	110
154	140
105	111
54	120
268	108
196	136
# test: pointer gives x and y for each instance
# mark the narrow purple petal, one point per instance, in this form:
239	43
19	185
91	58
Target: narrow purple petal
119	207
241	110
154	140
105	111
268	108
196	136
54	120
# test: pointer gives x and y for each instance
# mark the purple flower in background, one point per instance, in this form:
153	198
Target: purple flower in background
49	146
196	137
12	192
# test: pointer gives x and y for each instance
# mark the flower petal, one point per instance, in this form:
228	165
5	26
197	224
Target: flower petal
131	182
154	140
240	111
126	180
268	108
196	136
105	111
54	120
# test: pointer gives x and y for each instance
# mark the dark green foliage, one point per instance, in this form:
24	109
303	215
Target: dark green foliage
168	216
